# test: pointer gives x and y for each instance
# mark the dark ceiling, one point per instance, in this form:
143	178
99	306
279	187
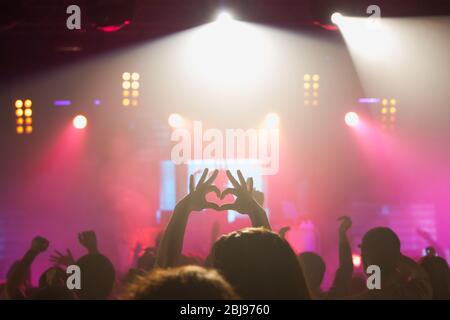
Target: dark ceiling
39	37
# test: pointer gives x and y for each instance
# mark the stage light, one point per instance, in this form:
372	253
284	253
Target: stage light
60	103
79	122
22	112
311	86
126	85
388	107
130	81
351	119
110	16
135	85
356	258
336	18
126	76
175	120
272	120
135	76
224	16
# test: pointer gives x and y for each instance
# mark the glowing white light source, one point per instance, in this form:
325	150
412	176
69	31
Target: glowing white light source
228	56
371	44
351	119
356	258
224	16
79	122
336	17
272	120
175	120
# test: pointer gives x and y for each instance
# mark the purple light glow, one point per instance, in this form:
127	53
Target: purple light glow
60	103
369	100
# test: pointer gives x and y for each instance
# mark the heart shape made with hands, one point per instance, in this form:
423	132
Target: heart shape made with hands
225	201
242	191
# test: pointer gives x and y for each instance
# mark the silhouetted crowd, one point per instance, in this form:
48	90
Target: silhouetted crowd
253	263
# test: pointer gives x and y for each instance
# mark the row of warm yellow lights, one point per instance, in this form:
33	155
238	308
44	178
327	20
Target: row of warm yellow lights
126	102
392	108
307	78
130	86
27	112
307	86
20	104
28	129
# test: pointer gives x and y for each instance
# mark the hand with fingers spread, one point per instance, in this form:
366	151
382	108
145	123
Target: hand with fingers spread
88	239
245	202
63	259
195	200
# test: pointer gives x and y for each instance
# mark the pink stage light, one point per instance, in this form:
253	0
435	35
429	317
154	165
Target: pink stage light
356	258
79	122
351	119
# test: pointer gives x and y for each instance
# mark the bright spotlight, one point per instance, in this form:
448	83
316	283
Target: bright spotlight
79	122
351	119
336	18
175	120
356	258
272	120
224	16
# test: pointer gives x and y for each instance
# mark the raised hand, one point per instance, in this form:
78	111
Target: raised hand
39	244
195	200
88	239
346	223
63	259
258	195
245	202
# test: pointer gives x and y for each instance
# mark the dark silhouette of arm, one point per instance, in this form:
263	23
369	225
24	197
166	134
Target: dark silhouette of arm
343	277
19	273
169	251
